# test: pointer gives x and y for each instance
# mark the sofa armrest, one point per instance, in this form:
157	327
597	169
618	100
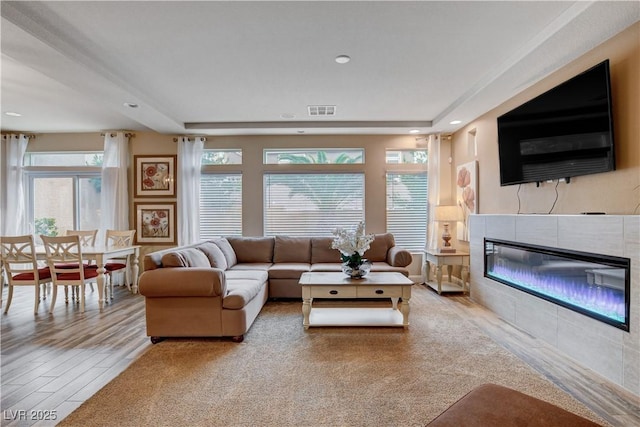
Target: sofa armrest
183	282
398	257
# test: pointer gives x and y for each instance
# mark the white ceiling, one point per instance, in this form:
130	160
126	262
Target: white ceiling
237	67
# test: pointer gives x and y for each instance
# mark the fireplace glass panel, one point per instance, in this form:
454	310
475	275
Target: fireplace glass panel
592	284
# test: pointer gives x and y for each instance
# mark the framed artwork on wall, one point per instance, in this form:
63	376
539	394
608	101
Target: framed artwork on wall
156	223
466	196
155	176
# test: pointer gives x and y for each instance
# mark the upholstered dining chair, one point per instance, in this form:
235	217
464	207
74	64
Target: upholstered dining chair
87	238
21	267
118	238
67	251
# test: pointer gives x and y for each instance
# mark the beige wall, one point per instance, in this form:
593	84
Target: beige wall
614	192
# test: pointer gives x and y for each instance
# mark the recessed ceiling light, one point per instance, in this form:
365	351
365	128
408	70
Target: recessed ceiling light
130	104
343	59
455	122
287	116
13	114
414	131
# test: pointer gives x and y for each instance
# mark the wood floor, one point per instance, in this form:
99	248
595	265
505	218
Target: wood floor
52	363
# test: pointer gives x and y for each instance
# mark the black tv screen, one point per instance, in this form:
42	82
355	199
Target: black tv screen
565	132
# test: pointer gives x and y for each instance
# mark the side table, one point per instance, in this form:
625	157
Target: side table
439	259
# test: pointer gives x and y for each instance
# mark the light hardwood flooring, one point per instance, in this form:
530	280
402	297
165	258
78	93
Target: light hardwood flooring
55	362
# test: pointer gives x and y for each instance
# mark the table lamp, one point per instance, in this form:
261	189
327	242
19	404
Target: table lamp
447	214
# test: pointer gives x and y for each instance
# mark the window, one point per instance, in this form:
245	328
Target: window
63	201
222	157
301	156
407	209
63	191
406	156
300	204
88	158
220	205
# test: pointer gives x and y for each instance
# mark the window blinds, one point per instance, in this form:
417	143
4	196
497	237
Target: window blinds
312	204
220	205
407	209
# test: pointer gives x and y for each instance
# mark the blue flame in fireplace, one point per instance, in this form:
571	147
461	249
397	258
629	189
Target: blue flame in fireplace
602	300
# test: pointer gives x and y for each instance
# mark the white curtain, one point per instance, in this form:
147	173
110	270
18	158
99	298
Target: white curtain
433	179
15	218
189	164
114	198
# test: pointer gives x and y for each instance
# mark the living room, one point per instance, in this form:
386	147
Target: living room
616	193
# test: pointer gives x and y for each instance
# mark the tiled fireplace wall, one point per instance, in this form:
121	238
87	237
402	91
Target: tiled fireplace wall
611	352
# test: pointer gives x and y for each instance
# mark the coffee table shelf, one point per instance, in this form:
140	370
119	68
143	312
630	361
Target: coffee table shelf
338	287
351	316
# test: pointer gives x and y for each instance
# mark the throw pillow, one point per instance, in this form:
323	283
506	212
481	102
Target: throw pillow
227	250
190	257
215	255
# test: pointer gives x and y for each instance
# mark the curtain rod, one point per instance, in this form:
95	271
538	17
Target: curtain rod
28	135
203	138
112	135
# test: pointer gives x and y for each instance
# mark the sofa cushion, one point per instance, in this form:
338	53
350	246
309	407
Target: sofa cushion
321	250
252	266
384	267
260	275
227	250
379	247
326	266
252	249
288	270
215	255
189	257
292	249
240	292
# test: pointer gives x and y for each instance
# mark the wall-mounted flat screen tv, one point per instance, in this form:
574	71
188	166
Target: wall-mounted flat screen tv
565	132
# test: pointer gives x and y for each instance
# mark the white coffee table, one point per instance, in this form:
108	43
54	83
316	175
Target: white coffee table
328	285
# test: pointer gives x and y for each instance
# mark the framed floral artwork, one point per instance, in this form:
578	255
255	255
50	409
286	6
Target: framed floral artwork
156	223
155	176
467	195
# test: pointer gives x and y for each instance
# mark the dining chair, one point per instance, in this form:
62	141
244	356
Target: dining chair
67	251
118	238
87	238
21	267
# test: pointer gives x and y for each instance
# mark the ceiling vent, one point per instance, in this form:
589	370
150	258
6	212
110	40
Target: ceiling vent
322	110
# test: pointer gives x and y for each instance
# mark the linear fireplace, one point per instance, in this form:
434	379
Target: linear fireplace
595	285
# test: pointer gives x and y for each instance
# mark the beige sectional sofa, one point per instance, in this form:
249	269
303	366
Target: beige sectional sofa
216	288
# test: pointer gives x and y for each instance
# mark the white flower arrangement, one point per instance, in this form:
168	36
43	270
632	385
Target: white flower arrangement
352	244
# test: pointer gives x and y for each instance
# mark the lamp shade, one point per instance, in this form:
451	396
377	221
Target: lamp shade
448	213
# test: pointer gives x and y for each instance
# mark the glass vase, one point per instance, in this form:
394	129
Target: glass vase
357	272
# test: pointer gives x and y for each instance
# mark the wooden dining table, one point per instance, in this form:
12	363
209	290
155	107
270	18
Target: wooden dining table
101	254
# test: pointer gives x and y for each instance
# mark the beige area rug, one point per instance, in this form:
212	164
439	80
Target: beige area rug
282	375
